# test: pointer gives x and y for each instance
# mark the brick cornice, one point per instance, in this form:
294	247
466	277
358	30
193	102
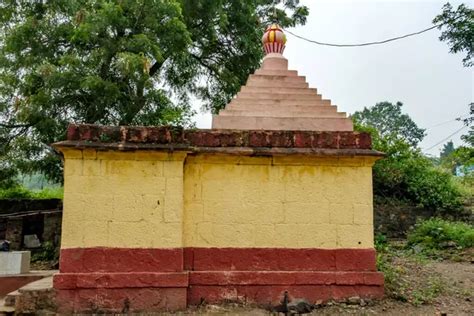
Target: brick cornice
232	141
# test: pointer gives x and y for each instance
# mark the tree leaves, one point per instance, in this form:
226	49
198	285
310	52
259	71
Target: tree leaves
458	30
120	62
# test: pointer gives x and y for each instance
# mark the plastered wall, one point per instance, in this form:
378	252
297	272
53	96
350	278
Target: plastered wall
130	199
169	200
288	202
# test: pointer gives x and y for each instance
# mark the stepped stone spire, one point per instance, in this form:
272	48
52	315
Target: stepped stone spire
276	98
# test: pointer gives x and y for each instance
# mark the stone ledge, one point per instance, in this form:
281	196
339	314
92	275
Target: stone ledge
242	142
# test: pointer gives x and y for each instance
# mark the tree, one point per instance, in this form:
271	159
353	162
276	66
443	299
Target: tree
120	62
448	148
469	137
389	121
404	174
458	30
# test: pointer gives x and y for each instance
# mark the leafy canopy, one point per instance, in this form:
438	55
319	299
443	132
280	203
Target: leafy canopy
404	173
389	121
127	62
448	148
458	30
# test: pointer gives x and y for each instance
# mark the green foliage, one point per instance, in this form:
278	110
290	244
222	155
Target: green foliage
469	137
461	156
405	278
380	242
18	192
121	62
48	252
389	121
458	30
448	148
437	234
405	173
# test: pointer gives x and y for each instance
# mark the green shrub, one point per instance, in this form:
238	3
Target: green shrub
16	192
405	174
19	192
436	234
48	252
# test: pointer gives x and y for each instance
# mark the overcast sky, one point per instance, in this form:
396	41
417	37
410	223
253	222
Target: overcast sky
418	71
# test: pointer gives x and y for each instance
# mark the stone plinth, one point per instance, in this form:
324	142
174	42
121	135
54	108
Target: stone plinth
14	262
276	98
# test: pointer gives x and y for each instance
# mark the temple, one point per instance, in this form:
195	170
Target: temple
276	197
276	98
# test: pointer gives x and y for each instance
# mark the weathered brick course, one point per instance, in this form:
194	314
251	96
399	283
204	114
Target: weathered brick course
218	138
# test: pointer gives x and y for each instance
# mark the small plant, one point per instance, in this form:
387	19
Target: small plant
437	234
48	252
381	243
405	277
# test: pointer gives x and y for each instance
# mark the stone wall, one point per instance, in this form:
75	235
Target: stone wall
395	220
26	217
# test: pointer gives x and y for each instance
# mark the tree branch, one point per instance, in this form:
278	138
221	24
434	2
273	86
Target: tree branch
156	66
15	125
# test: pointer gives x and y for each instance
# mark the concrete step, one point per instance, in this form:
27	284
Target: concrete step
278	96
6	310
277	81
275	107
35	296
281	123
253	89
273	72
282	102
277	84
11	297
276	78
283	113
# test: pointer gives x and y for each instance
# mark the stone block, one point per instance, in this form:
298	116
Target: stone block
14	262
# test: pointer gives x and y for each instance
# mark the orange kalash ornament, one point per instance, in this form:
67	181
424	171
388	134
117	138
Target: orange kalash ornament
274	39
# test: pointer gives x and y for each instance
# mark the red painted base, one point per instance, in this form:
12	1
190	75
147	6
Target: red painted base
10	283
265	295
116	280
123	300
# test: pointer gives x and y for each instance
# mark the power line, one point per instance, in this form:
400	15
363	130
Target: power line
364	44
443	140
458	119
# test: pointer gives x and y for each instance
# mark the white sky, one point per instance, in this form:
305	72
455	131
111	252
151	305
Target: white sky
418	71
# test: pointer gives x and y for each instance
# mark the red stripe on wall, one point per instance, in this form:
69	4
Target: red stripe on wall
264	294
284	278
69	281
278	259
120	260
96	260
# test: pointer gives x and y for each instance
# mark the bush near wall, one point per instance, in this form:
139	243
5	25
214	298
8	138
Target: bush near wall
19	192
438	234
405	174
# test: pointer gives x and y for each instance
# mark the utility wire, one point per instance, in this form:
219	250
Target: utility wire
458	119
364	44
443	140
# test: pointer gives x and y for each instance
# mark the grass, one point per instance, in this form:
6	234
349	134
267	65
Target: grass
432	237
406	279
23	193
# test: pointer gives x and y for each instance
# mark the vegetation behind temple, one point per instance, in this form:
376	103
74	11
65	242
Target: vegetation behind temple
406	174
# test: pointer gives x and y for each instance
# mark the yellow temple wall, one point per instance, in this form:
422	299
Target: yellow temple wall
169	200
122	199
